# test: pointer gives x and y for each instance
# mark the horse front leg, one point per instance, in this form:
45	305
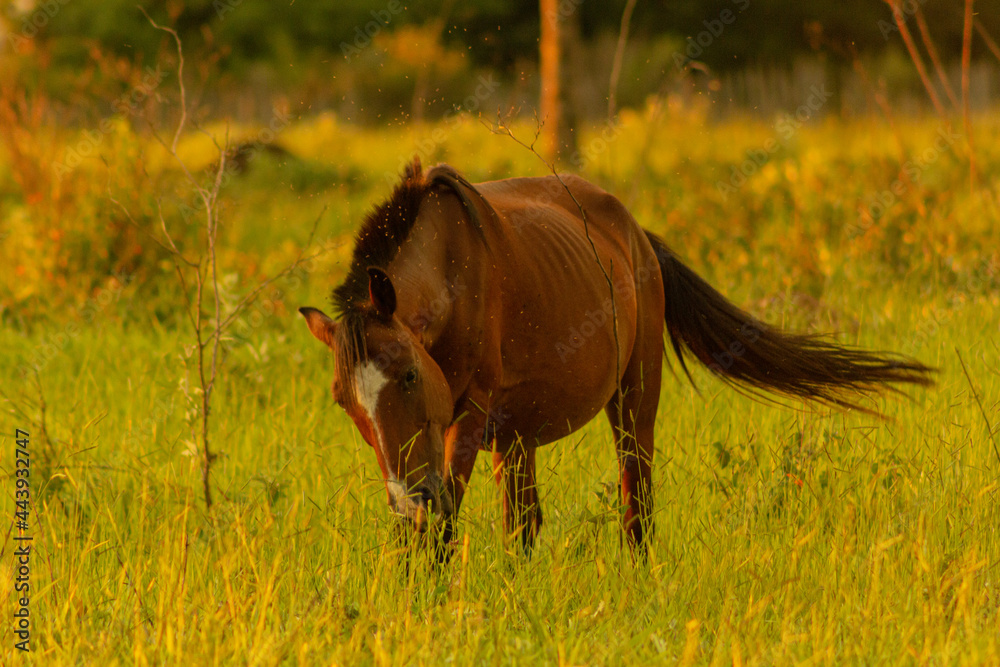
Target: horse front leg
514	470
462	442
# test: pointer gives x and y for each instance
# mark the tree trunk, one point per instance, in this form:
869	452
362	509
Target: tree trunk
549	55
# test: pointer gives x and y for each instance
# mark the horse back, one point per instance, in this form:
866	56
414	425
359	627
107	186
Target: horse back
554	305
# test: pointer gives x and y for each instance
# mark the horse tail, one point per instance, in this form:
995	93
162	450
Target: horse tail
745	352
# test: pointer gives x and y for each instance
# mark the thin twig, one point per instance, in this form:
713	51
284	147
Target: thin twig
180	75
503	128
212	221
966	64
925	35
301	259
208	338
989	428
897	13
170	247
616	67
208	197
990	44
883	104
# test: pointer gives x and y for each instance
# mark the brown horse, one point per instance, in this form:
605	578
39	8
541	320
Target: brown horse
503	316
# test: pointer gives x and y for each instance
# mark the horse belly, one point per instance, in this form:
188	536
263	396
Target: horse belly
544	412
559	350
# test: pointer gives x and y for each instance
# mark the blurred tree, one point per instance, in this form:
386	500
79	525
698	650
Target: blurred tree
551	108
495	32
301	45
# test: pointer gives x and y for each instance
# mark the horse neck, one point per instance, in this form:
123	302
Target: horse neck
434	270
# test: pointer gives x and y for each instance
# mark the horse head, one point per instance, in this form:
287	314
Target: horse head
397	397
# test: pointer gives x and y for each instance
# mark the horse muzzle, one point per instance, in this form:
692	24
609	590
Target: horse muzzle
426	504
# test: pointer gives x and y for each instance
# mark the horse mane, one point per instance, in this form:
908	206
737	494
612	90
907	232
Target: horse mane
389	224
382	233
379	240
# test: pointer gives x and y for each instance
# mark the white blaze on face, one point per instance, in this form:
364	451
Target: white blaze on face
368	384
369	381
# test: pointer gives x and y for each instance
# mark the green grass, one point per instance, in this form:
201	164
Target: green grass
783	535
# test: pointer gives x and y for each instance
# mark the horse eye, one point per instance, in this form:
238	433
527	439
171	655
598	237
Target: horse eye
410	377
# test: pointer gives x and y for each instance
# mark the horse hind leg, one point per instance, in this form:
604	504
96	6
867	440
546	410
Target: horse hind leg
515	474
632	413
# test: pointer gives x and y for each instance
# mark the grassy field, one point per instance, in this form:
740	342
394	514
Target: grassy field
784	535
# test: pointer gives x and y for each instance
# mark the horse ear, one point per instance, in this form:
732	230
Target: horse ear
382	293
413	170
321	326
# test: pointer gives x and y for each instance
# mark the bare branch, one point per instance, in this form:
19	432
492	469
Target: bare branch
170	239
171	248
990	44
212	222
180	75
208	199
502	128
878	96
301	259
616	67
897	13
925	35
966	64
208	336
